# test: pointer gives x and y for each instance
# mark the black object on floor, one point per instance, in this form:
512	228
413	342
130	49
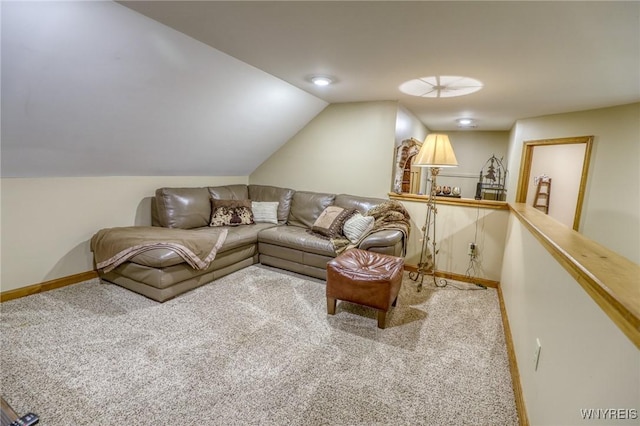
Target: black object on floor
10	418
26	420
8	415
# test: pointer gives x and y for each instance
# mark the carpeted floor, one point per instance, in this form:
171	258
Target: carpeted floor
255	347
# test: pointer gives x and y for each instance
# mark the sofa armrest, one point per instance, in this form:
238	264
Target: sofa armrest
384	238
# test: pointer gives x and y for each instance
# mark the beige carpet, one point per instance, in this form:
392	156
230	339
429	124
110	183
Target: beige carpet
255	347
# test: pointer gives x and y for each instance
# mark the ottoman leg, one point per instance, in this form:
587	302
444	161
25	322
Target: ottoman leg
331	305
382	317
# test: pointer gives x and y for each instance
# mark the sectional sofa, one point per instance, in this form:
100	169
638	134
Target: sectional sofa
286	243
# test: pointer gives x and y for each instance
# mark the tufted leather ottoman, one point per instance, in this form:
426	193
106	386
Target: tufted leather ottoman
366	278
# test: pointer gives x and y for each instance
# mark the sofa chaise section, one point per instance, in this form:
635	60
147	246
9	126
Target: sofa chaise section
161	274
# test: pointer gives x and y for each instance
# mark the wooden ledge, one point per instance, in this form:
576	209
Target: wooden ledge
463	202
610	279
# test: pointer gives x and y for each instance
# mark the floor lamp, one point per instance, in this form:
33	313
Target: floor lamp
436	152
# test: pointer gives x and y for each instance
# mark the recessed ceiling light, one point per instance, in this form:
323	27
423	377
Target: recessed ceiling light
467	123
320	80
441	86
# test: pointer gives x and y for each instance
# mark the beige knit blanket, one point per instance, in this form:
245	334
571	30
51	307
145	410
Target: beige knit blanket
114	246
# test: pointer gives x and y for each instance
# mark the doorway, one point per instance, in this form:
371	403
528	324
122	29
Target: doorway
566	162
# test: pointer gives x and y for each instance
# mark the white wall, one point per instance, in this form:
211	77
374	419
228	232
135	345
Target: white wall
585	361
47	223
473	149
409	126
563	164
347	148
611	210
456	227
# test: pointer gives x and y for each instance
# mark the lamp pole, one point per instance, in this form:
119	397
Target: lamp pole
436	152
427	263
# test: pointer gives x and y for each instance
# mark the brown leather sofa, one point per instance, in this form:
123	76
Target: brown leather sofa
161	274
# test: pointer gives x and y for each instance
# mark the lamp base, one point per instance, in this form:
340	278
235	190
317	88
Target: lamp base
442	282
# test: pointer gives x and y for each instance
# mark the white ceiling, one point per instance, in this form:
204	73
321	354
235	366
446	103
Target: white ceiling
94	88
534	58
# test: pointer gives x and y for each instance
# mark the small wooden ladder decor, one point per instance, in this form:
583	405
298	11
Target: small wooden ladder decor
543	192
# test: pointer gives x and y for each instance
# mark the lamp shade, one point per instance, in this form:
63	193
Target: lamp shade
436	151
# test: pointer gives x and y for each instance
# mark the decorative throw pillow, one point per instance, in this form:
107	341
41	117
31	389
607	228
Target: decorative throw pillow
330	221
357	226
265	211
231	212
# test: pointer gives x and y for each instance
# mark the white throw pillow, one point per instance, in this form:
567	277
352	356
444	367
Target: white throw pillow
265	211
357	226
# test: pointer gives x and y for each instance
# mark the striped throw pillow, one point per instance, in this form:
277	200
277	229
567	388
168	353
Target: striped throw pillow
265	211
357	226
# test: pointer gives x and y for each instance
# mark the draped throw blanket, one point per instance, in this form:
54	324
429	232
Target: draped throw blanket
114	246
390	215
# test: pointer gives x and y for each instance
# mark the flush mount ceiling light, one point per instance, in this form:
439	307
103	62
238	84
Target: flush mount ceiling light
441	86
466	123
321	80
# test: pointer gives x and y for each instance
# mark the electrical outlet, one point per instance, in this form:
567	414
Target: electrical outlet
473	249
536	357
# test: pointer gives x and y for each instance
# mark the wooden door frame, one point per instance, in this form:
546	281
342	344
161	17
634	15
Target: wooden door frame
525	169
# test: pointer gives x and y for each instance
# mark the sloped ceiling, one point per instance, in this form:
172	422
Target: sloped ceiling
96	89
534	57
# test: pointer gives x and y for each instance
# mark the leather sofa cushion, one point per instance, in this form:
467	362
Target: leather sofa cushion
293	255
172	275
229	192
306	207
297	238
237	236
184	208
362	204
242	235
273	193
157	258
